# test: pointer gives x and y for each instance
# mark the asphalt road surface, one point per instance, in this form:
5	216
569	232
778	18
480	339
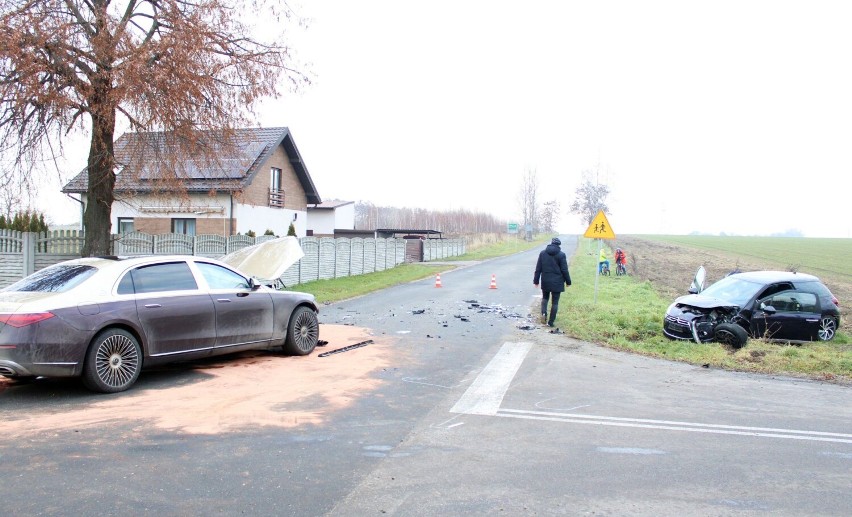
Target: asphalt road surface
457	404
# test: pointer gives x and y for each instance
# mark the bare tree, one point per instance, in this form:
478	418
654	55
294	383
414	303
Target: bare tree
549	216
453	222
528	199
173	65
14	193
590	198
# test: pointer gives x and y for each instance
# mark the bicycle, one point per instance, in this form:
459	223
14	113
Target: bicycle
620	270
604	269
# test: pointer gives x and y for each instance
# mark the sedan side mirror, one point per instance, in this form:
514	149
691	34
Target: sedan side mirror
768	309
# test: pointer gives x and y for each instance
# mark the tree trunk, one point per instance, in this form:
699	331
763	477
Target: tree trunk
99	195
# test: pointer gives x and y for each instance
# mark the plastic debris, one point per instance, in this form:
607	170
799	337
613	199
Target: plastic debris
346	348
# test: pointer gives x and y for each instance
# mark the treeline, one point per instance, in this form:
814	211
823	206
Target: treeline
24	222
453	222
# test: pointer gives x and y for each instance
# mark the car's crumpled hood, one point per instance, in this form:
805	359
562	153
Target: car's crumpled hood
705	302
267	260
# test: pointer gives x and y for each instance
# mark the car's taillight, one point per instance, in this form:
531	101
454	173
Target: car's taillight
835	300
22	320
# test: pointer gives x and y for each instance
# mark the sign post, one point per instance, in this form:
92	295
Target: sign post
599	229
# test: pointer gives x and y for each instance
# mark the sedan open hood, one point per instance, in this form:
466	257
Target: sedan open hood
267	260
704	302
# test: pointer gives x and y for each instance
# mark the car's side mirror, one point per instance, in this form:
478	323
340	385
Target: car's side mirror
254	285
692	290
768	309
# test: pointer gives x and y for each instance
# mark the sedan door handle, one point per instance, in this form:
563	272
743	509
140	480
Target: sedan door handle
152	305
223	300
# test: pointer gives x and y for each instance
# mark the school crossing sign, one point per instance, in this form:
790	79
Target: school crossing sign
600	228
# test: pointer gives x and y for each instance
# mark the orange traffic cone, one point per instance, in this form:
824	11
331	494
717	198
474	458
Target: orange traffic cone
438	280
493	282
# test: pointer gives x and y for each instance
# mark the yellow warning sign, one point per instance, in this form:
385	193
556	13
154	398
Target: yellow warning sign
600	228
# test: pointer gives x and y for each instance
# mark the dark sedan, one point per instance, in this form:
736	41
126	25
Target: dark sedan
105	318
777	305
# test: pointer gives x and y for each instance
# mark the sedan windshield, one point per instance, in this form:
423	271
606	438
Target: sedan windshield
55	279
734	290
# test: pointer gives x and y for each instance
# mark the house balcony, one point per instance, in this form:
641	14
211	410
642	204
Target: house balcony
276	198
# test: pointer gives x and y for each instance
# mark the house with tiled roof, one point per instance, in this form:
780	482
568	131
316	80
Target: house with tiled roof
256	181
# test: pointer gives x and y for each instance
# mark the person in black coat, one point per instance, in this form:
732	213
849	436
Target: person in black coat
552	270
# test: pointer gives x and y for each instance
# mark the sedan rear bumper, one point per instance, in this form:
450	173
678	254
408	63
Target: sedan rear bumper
12	369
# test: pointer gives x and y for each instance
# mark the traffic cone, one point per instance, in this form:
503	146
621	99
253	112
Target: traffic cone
493	282
438	280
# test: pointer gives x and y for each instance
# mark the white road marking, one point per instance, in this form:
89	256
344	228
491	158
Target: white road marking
790	434
485	394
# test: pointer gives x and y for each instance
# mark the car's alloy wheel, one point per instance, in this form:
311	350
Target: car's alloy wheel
113	362
827	328
303	332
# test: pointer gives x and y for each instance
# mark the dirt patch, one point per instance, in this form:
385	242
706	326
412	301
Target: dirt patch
238	392
671	268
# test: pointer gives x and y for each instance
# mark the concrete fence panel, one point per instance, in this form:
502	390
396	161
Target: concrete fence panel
23	253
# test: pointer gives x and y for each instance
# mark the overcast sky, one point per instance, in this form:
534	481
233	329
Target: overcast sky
723	116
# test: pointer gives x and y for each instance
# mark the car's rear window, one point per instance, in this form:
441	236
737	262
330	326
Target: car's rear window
53	279
816	287
157	278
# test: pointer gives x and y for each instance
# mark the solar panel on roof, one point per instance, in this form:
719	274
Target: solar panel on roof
230	166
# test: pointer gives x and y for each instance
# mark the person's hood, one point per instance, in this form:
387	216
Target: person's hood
552	249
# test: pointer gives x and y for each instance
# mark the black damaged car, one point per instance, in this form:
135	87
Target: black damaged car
777	305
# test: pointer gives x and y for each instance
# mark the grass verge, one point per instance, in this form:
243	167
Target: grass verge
627	314
336	289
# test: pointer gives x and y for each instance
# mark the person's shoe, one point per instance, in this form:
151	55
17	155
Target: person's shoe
549	323
544	318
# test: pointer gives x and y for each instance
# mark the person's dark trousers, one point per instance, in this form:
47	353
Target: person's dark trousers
545	295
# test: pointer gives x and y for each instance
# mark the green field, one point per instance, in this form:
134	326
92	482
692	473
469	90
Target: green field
822	257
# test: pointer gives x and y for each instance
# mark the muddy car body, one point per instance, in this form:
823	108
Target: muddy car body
777	305
105	318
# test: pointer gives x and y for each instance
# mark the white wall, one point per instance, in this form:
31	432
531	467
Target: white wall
321	222
325	221
344	217
255	218
260	218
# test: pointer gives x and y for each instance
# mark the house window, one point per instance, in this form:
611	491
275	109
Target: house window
276	193
275	179
184	226
125	225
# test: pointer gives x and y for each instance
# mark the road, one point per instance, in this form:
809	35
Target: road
451	407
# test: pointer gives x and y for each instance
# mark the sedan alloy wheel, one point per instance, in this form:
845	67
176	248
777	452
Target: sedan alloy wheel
303	332
113	362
